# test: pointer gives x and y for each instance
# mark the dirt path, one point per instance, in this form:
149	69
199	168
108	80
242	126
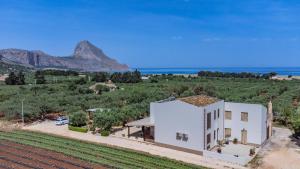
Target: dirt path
281	152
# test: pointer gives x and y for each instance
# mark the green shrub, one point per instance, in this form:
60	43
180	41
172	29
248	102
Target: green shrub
105	133
78	119
104	120
235	141
78	129
101	88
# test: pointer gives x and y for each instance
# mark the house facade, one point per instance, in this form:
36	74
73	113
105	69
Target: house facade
198	123
180	124
246	122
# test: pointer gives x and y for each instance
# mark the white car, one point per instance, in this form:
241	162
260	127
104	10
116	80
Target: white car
62	121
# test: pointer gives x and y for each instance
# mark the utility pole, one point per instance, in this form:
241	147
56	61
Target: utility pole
23	112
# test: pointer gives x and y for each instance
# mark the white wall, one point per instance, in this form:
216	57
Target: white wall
215	123
177	116
256	125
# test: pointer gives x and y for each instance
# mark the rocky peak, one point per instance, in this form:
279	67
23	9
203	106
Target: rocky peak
86	50
86	57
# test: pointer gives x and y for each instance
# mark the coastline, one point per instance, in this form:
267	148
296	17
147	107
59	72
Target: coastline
281	71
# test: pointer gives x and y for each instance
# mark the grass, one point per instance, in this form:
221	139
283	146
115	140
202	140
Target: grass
78	129
97	153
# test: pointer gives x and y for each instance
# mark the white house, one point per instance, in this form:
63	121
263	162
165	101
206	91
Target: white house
197	123
246	122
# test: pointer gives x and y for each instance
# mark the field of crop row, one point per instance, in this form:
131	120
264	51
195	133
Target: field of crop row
18	156
103	155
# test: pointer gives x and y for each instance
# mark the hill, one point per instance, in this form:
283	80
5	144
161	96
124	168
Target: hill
86	57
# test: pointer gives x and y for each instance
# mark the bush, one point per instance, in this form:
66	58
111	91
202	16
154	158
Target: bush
81	81
235	141
39	77
219	150
78	129
105	133
100	77
14	79
78	119
101	88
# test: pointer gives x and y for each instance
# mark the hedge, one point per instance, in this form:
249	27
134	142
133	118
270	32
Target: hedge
104	133
78	129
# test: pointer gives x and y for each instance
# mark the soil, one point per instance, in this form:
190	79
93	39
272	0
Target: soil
14	155
281	152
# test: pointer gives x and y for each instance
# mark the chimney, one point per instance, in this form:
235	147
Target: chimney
270	119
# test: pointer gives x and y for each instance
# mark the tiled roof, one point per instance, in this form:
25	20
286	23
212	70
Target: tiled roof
199	100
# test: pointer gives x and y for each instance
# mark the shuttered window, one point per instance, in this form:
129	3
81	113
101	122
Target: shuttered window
228	115
227	132
208	139
244	116
215	114
208	121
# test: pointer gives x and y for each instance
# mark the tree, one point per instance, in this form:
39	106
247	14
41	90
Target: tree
78	119
20	78
198	90
40	78
101	88
286	115
14	79
103	120
81	81
126	77
296	125
100	77
11	79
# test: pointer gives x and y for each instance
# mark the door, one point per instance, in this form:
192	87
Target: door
218	134
244	137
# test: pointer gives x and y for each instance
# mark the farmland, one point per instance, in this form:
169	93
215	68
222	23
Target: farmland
23	156
32	150
59	92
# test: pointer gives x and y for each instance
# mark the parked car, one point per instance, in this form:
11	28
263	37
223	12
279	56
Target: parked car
62	121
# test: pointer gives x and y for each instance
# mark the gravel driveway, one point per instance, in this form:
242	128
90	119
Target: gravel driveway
281	152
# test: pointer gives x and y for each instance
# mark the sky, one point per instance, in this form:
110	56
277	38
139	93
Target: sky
160	33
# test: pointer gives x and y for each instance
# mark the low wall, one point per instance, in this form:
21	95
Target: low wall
227	157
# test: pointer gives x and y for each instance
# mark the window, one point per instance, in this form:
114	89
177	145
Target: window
227	132
215	116
214	134
208	139
244	116
218	113
208	121
178	136
228	115
182	136
185	137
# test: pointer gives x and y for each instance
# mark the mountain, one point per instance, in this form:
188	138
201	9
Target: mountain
86	57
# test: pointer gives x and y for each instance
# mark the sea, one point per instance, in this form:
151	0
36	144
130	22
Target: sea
294	71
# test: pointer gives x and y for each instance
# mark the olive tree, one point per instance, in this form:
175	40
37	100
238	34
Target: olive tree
78	119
